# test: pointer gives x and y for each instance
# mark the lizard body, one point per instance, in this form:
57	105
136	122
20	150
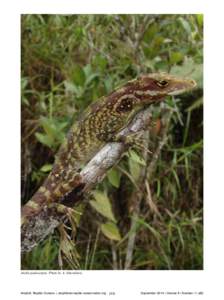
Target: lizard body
100	124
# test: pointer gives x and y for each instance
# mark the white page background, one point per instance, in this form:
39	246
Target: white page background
128	284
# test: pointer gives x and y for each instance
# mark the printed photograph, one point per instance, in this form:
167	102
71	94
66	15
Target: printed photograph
112	142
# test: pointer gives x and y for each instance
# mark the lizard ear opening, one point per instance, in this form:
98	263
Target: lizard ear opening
125	105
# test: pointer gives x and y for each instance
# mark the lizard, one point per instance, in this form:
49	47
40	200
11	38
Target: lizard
100	123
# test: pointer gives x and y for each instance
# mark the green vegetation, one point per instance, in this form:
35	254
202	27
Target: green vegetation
147	213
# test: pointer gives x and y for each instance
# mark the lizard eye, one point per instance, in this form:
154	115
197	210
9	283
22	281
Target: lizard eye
161	83
125	105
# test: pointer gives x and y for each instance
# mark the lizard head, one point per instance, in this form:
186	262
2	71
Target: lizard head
150	88
156	86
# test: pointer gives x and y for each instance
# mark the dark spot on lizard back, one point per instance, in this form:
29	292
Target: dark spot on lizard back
74	196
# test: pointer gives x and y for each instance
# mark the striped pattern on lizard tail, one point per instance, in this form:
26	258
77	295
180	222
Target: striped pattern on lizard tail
100	124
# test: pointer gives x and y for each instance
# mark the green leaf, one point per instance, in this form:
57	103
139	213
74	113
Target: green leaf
200	19
134	168
135	164
91	78
185	25
48	126
176	57
189	69
44	139
78	75
54	131
46	168
108	83
114	177
78	34
100	61
185	69
70	87
25	101
102	205
150	33
135	157
24	82
110	230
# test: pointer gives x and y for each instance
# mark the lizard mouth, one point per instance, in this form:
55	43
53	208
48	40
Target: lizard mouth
177	92
190	84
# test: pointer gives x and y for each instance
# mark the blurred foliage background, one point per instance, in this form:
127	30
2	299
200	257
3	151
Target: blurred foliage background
147	213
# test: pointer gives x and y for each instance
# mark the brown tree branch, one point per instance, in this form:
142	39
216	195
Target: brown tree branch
41	225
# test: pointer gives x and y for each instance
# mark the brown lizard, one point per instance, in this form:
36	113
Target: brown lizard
100	124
